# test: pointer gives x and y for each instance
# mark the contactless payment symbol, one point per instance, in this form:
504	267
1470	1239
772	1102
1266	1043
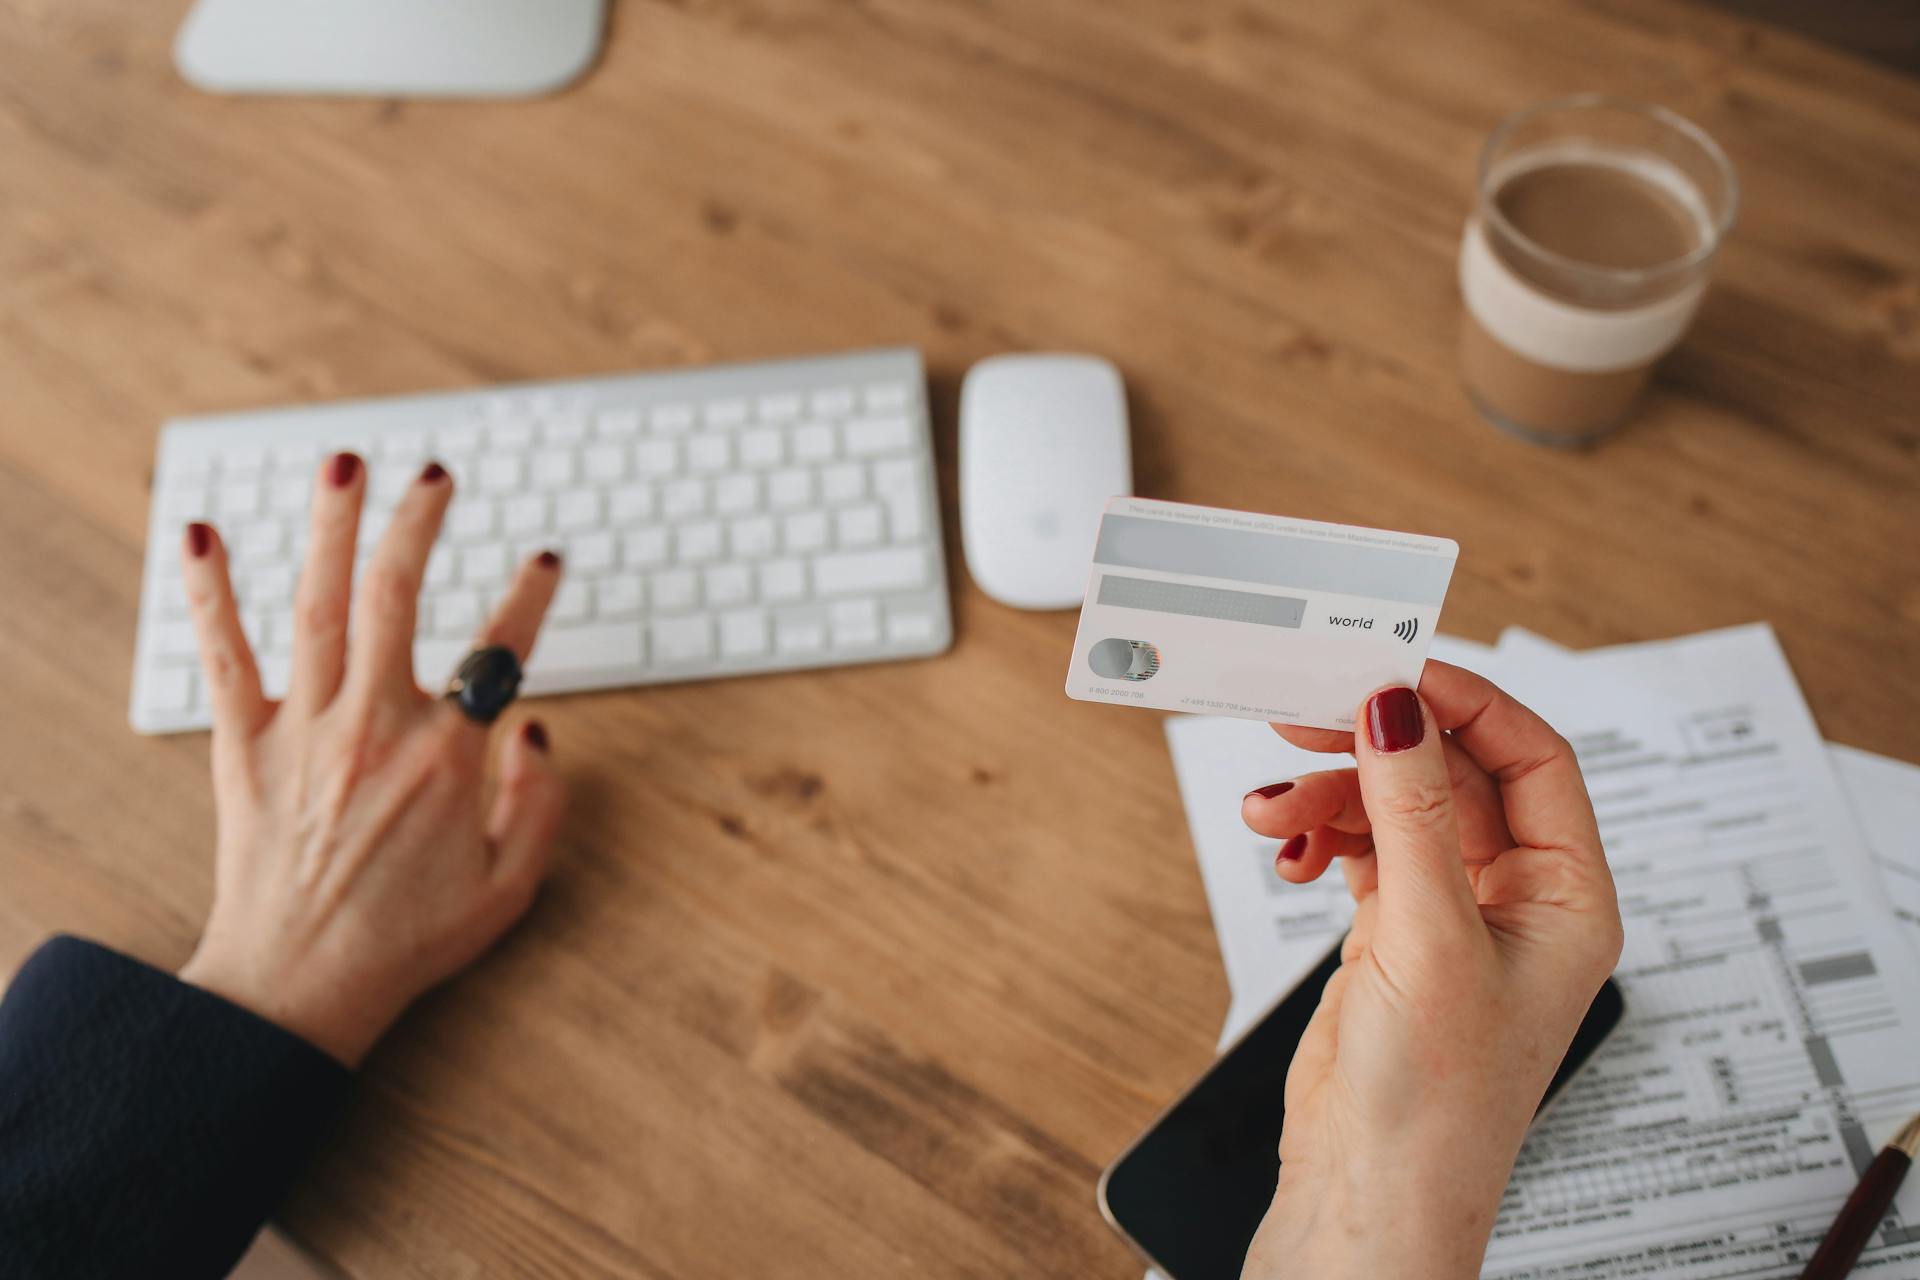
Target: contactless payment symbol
1407	630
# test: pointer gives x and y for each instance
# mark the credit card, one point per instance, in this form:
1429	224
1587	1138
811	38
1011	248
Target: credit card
1232	613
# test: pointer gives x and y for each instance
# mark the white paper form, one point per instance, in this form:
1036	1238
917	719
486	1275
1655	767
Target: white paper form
1772	1035
1886	799
1885	795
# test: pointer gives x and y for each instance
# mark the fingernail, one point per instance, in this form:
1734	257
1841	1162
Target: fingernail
549	559
433	474
536	735
199	539
1394	722
1271	790
343	468
1293	850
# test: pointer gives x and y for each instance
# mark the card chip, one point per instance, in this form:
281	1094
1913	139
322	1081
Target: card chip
1202	602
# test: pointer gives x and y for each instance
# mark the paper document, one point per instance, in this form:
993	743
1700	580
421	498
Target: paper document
1772	1036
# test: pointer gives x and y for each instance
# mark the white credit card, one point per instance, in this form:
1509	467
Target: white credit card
1230	613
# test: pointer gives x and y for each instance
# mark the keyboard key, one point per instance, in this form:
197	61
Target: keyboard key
617	597
591	554
783	580
886	396
814	442
672	419
288	495
449	442
244	460
617	424
697	543
800	633
577	510
673	591
789	489
868	436
262	541
728	584
604	463
856	623
858	526
386	484
483	566
724	413
778	408
895	475
762	447
806	531
752	538
735	494
836	402
240	498
628	503
570	602
656	458
296	457
500	475
440	568
456	614
709	453
910	626
172	598
688	639
861	572
512	435
842	482
168	689
470	521
602	646
743	633
173	640
683	498
526	514
565	426
906	516
554	469
644	548
182	505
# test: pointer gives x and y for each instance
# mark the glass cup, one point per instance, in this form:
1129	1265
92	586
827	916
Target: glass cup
1594	225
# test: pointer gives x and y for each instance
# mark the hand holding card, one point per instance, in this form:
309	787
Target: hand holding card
1232	613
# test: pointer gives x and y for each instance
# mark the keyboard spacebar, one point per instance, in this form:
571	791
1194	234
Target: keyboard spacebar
563	651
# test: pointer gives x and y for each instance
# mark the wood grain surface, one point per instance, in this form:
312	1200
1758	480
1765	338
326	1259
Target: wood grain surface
867	973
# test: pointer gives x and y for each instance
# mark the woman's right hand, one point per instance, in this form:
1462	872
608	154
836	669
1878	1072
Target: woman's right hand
1485	924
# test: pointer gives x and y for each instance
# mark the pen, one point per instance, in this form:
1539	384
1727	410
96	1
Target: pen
1860	1216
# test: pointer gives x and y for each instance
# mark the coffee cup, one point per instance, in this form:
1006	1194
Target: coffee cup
1594	228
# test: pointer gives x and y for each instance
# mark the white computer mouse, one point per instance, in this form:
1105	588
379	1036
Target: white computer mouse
1043	445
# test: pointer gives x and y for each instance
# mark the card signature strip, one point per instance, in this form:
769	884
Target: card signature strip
1201	602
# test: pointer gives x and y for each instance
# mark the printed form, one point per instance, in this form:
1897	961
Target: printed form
1772	1035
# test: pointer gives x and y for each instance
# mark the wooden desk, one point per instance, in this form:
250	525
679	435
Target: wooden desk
867	973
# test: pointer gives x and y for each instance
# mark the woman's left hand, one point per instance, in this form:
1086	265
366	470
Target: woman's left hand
356	864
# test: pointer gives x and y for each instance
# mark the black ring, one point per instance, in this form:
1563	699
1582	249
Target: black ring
485	684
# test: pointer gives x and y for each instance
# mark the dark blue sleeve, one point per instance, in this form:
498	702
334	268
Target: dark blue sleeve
147	1127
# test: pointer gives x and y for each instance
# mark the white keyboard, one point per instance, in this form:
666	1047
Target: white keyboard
715	522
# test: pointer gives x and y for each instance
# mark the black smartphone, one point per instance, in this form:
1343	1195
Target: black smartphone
1191	1190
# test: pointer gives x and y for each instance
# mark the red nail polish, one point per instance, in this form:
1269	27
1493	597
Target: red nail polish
1272	789
1293	850
536	735
199	539
342	470
549	559
433	474
1394	722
